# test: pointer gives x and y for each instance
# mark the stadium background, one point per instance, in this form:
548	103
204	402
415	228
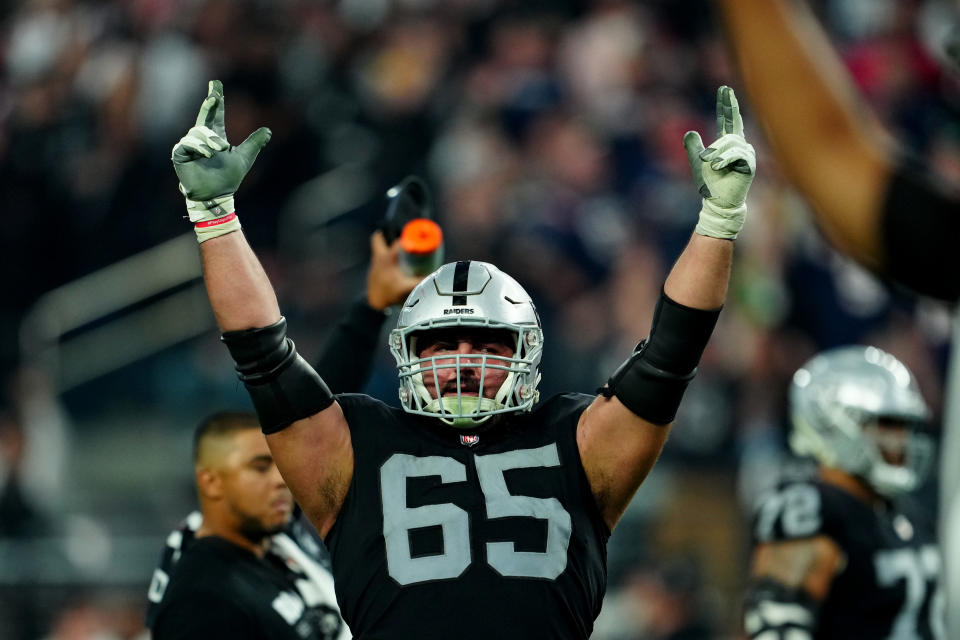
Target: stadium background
551	133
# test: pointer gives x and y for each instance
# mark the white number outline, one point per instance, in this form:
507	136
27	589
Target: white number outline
798	508
917	568
503	556
399	519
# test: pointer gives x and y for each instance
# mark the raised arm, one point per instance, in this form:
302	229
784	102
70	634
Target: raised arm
305	428
827	140
869	198
622	432
240	292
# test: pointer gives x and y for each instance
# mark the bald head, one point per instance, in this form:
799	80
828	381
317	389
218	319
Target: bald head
213	436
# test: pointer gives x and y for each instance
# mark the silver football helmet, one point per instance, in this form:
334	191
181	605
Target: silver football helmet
468	294
838	401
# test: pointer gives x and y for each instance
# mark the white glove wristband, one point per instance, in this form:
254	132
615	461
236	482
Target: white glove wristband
721	222
213	218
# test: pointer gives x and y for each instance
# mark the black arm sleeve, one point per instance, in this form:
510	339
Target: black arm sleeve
919	243
652	380
345	361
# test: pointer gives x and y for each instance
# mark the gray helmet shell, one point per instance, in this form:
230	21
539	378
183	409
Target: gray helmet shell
468	294
835	401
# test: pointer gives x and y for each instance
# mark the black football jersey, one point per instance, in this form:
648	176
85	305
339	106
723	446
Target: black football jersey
445	534
209	588
888	587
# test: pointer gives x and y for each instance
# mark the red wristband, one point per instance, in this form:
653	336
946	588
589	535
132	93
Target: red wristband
216	221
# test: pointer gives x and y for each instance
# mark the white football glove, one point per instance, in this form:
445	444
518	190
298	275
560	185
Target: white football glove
723	171
210	170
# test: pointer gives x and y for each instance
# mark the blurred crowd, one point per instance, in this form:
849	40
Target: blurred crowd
551	133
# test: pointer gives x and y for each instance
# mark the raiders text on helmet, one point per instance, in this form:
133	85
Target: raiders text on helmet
468	294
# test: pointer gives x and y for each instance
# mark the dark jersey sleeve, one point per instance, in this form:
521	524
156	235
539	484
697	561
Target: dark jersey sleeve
178	541
918	244
203	616
344	363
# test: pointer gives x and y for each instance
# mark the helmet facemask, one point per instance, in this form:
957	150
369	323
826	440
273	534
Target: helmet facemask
902	454
461	402
492	307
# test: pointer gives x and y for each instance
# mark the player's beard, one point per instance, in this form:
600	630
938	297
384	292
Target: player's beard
255	531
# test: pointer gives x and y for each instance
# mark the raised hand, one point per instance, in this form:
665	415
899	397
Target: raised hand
210	170
723	172
387	281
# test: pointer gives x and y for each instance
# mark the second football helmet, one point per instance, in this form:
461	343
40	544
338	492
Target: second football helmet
839	402
470	295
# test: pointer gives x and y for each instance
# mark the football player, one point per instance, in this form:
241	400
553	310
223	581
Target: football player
871	198
474	511
837	555
241	568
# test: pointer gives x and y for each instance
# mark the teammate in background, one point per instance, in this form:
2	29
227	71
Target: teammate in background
240	568
345	361
836	556
470	512
870	198
345	369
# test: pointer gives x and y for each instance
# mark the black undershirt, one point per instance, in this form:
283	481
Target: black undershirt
344	364
920	246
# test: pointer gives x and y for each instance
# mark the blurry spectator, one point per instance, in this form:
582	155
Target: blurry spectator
34	444
18	517
671	595
96	615
81	620
661	599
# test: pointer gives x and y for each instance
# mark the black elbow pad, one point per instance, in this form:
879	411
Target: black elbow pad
283	387
653	379
652	393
